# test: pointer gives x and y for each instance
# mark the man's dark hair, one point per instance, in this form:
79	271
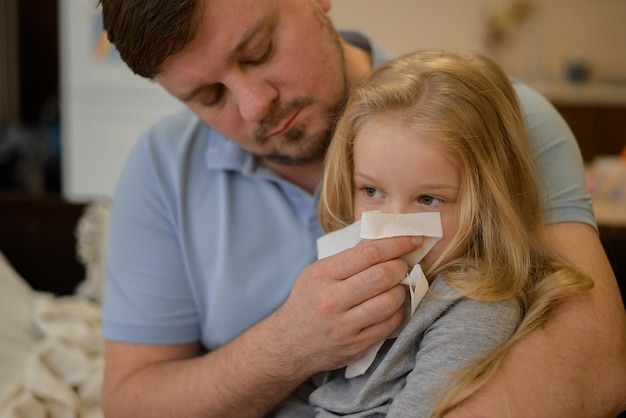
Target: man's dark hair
146	32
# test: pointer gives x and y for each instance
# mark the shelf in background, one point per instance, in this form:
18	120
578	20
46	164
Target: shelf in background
604	94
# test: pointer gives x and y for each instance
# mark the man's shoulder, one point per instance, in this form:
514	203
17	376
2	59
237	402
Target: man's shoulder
529	98
365	42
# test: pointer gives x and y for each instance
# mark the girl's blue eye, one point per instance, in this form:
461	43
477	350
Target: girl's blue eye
370	191
429	200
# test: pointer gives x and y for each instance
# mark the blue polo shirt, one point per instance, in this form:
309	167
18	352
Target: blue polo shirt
204	242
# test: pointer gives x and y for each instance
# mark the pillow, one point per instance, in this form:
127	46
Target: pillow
18	332
92	237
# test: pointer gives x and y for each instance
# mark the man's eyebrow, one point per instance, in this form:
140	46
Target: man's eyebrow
247	36
245	39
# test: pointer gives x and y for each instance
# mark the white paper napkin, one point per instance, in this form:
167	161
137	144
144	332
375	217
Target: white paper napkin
375	225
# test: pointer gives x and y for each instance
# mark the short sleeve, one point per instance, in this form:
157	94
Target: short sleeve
558	160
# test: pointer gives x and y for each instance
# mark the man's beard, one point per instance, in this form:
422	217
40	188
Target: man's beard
312	146
298	146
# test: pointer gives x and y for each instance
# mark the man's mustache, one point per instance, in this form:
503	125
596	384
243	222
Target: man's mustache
277	114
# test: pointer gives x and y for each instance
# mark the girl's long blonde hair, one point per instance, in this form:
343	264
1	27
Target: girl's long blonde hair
467	105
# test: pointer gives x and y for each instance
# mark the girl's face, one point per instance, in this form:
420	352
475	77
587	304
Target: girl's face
397	170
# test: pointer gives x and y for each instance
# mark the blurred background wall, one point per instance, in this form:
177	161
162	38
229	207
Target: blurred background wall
537	38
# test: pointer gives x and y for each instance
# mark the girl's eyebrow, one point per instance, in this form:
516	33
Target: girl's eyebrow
441	186
362	175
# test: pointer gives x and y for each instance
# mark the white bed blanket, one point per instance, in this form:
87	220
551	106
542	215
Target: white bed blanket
62	377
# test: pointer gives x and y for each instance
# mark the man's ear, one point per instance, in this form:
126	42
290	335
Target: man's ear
324	5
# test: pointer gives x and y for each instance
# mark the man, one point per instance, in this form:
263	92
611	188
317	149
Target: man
213	307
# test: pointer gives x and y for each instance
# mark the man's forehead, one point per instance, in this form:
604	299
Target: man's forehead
226	28
233	14
229	24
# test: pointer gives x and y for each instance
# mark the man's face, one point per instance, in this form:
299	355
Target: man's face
267	74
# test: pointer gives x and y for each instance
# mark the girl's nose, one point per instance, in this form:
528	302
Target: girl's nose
398	207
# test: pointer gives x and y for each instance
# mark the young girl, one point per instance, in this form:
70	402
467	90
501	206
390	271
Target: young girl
443	132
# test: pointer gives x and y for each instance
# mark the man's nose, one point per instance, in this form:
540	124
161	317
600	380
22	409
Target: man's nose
254	96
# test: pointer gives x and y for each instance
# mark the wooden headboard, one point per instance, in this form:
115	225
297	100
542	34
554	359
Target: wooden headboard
38	237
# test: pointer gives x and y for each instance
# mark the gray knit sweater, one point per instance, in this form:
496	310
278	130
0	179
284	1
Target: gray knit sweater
445	334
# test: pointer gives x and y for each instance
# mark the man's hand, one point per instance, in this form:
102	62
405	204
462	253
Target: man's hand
342	305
